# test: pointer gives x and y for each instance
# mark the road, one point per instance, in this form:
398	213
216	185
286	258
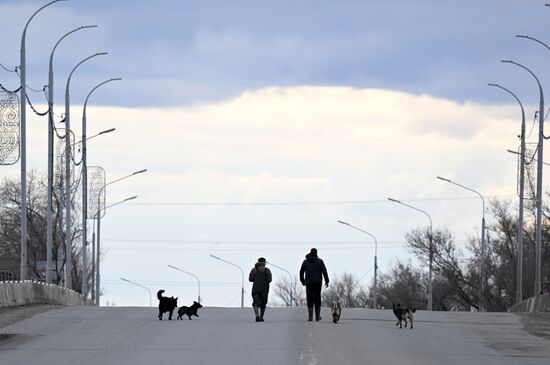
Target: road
105	336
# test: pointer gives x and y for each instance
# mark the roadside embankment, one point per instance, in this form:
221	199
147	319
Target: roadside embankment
540	303
30	292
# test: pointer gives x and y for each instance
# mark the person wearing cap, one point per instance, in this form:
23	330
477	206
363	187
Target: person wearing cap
312	272
260	276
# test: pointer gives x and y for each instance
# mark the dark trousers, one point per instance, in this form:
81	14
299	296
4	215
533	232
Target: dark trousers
259	300
313	295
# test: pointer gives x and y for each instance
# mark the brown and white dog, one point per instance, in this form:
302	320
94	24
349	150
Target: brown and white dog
403	315
336	310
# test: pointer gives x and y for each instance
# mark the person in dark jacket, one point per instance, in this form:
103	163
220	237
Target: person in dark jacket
261	277
312	272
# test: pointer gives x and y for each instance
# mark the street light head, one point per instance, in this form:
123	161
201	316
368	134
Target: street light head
342	222
522	36
87	26
131	198
506	61
139	172
107	131
444	179
101	54
216	257
394	200
514	152
497	85
116	79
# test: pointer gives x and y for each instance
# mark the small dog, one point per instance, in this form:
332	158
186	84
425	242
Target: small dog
166	304
403	315
189	311
336	310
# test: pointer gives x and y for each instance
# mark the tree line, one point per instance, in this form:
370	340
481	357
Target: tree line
10	231
456	269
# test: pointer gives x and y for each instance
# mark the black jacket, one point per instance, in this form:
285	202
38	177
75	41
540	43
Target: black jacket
314	269
261	277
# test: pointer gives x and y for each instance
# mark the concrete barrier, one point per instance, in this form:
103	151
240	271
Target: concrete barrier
540	303
32	292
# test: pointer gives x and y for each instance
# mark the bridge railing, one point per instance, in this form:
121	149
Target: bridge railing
32	292
540	303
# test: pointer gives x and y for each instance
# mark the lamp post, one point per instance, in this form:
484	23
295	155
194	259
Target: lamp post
85	191
98	217
538	224
242	278
193	275
141	286
482	265
375	291
49	213
519	268
68	240
291	281
23	104
430	288
98	239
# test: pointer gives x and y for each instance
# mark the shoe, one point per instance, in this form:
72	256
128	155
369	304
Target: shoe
318	314
310	314
258	319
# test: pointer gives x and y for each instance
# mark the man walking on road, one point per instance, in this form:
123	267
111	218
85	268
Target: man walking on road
312	272
261	277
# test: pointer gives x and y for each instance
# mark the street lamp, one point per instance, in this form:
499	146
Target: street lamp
98	217
430	288
519	273
23	67
291	281
375	291
98	239
68	241
538	225
193	275
85	190
519	154
96	135
49	213
141	286
242	273
482	266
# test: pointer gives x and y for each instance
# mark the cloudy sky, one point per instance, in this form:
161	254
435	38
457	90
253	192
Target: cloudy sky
261	123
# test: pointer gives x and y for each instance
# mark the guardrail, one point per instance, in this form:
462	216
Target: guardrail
540	303
33	292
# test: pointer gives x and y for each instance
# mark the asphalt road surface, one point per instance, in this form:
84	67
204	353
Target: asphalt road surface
227	336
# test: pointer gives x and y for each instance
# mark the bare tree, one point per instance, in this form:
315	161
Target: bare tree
403	284
346	290
10	243
283	288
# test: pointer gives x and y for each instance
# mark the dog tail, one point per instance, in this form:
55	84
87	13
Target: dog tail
159	294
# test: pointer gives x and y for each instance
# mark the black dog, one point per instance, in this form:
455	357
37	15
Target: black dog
403	314
166	304
189	311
